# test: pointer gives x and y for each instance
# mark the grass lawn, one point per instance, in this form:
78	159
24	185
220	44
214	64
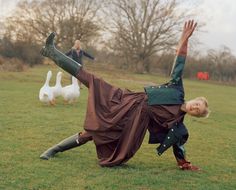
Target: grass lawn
27	128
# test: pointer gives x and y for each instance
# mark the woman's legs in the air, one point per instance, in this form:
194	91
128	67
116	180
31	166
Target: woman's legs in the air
65	62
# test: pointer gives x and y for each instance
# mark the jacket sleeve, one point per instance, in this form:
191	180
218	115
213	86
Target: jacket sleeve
88	55
68	53
177	68
177	134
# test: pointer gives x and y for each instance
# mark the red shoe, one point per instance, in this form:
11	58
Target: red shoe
189	166
184	165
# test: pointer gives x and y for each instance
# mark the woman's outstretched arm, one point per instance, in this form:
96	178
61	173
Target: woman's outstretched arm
188	30
181	52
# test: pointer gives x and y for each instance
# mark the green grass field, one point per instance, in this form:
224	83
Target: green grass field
27	128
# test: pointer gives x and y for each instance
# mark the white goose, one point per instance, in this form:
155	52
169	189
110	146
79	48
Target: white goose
45	93
57	89
71	92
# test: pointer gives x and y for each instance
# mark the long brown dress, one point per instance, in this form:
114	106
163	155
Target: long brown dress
118	119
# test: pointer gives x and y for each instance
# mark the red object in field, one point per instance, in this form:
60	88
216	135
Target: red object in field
203	75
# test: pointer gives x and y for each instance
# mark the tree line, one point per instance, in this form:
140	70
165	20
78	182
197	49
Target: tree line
139	35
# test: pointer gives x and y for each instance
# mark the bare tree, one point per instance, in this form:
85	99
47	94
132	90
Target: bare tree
223	55
222	64
141	28
70	19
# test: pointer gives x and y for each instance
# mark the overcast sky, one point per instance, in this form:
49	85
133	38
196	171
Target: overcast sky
219	15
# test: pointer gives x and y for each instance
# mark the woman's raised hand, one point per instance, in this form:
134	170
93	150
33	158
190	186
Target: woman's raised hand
188	29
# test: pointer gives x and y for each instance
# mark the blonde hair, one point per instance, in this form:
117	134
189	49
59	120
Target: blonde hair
76	43
206	112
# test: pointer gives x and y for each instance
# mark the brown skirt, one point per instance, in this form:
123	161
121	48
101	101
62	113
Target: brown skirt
116	119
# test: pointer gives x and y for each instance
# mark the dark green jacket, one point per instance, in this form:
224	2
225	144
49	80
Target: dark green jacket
78	57
171	92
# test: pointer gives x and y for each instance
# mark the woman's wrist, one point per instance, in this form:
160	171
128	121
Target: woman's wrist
182	49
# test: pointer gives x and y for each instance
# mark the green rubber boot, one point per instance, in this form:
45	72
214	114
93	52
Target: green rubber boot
66	144
63	61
